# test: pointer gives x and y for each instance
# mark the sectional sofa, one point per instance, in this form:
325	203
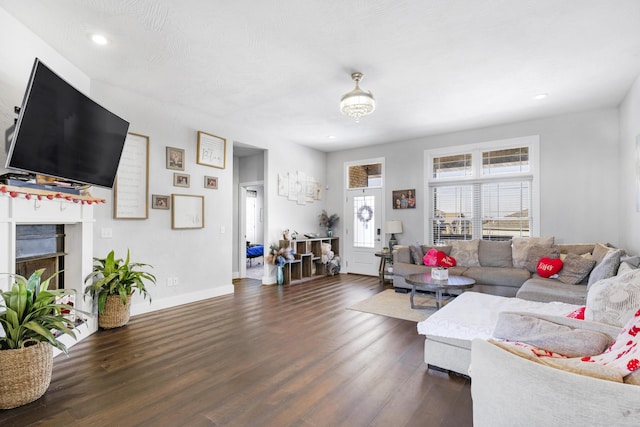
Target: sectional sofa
508	268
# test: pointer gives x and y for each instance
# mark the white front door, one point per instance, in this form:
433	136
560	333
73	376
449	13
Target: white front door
363	230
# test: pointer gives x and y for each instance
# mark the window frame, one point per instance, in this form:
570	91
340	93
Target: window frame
532	142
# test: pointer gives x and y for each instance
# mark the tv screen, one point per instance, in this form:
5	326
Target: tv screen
62	133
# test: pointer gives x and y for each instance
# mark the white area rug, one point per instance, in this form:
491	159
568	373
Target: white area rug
393	304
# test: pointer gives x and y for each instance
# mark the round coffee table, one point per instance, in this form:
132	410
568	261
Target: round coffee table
425	283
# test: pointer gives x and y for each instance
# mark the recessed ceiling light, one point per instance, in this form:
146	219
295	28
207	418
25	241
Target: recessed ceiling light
99	39
331	137
541	96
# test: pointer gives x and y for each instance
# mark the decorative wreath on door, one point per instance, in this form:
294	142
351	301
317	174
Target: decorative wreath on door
365	213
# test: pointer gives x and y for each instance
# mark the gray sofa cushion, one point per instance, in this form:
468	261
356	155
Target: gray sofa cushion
607	267
547	290
537	252
499	276
492	253
575	269
520	248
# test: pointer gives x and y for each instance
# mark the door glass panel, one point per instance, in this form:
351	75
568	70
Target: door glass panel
363	221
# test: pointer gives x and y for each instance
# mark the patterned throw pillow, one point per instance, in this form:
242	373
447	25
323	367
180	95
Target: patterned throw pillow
520	248
465	252
608	267
416	254
615	300
575	269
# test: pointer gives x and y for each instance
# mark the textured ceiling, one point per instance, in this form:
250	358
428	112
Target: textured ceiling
279	67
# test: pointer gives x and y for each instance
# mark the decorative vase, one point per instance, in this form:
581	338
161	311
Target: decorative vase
25	374
329	232
279	275
115	313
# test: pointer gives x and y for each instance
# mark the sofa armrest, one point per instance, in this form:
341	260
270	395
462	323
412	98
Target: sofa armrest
587	325
508	390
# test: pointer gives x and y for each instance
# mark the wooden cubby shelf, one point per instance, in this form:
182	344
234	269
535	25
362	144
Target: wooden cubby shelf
308	258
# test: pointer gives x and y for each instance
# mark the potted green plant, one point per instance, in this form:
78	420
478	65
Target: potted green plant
32	319
113	283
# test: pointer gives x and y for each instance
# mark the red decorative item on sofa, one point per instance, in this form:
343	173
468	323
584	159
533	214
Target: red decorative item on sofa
445	260
548	267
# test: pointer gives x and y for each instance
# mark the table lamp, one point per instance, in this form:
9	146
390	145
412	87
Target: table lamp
392	227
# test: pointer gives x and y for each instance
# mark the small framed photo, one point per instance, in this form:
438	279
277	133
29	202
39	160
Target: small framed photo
403	199
181	180
160	202
175	158
211	182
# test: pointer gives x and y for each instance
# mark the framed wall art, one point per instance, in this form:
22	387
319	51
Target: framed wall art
212	150
160	202
175	158
211	182
187	211
181	180
131	189
403	199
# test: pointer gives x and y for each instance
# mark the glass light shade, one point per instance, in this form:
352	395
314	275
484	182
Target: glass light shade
357	103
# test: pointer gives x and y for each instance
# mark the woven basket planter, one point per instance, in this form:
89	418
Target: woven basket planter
115	313
25	374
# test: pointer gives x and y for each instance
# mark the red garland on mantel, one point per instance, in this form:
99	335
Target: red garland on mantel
28	196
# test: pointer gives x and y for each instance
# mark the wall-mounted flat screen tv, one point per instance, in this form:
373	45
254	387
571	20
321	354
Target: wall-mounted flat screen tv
62	133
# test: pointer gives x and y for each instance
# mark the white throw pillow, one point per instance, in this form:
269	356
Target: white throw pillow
615	300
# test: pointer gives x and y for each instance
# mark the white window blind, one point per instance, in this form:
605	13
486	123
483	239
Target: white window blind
485	192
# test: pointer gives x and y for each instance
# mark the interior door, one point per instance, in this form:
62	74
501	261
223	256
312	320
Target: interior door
363	230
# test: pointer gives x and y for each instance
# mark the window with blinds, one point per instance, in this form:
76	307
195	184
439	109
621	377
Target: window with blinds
483	193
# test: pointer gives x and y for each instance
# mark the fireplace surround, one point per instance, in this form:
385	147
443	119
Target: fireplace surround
77	219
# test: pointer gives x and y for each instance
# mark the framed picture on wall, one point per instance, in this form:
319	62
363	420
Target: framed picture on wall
187	211
212	150
181	180
403	199
211	182
175	158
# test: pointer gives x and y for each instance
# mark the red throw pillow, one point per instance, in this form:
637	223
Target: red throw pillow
578	313
445	260
548	267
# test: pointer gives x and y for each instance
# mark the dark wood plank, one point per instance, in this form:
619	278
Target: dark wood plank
266	355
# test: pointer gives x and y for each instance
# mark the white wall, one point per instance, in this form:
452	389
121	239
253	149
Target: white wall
629	217
579	156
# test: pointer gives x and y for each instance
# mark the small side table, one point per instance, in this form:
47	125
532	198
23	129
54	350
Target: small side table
384	256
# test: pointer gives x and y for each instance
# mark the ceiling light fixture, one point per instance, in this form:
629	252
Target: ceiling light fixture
357	103
541	96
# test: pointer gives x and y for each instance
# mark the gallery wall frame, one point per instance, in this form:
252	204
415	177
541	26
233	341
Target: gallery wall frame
212	150
131	188
160	201
187	211
211	182
175	158
181	180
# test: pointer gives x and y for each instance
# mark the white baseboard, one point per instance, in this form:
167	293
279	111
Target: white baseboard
176	300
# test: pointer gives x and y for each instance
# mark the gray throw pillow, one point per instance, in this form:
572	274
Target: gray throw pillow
493	253
608	267
537	252
575	269
520	247
614	300
416	254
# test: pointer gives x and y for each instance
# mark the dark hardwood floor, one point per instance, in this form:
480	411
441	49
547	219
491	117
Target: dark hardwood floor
265	356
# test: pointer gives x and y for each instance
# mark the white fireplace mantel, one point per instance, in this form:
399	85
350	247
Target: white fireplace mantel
78	220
